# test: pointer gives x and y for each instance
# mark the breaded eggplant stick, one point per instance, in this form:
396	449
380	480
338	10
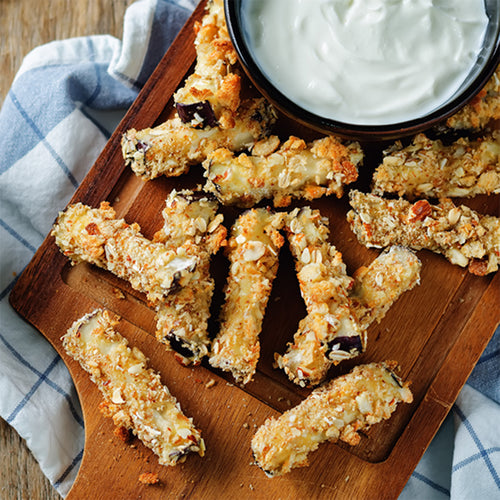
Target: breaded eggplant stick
482	109
331	331
253	250
211	94
378	286
338	410
94	235
428	169
182	318
293	169
463	236
173	147
136	399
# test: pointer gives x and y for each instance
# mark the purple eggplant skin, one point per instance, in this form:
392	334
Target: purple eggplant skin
200	113
395	378
179	345
346	344
141	146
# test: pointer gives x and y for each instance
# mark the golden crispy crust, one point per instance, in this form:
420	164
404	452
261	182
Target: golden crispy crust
94	235
135	397
173	147
463	236
182	318
428	169
331	331
482	109
281	172
338	410
252	250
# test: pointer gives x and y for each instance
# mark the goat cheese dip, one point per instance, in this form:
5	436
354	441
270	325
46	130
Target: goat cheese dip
365	62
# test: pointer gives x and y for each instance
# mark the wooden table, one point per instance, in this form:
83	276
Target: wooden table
25	24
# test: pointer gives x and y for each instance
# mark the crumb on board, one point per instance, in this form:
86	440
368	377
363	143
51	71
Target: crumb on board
210	383
123	433
149	478
118	293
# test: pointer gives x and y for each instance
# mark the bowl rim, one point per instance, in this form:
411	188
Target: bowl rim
329	125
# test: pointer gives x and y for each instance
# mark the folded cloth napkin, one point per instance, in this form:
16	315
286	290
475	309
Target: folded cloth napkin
64	104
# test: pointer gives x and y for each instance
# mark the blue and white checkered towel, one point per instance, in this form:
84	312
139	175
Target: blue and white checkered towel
63	105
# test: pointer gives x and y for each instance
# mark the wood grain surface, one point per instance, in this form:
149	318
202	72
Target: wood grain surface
436	332
25	24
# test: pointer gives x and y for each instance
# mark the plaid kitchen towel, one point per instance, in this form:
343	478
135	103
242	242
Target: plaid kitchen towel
63	106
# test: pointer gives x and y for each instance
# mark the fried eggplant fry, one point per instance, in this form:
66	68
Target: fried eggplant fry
331	331
282	172
463	236
182	318
428	169
134	396
171	148
253	251
482	109
338	410
211	94
94	235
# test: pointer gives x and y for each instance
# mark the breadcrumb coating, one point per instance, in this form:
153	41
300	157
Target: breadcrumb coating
171	148
482	109
182	318
338	410
134	395
465	237
331	331
253	250
282	172
427	168
94	235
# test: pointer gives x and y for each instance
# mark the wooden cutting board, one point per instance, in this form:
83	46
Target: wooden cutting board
436	332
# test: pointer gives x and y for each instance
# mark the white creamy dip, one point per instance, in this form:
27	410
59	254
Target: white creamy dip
366	62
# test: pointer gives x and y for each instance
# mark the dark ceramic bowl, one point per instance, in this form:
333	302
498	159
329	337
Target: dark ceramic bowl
486	63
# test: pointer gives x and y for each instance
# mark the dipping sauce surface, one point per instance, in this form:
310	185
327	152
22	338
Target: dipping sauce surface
365	62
